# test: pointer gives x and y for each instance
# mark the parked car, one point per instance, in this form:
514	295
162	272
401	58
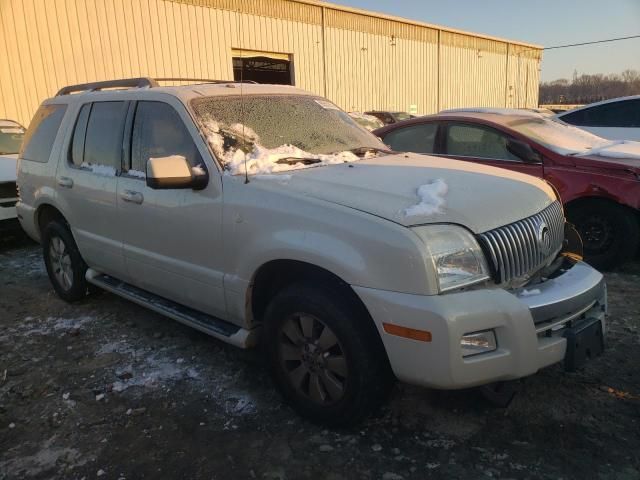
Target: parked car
11	135
615	119
368	122
266	214
598	181
390	117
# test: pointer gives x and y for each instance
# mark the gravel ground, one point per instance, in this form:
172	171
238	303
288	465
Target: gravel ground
107	389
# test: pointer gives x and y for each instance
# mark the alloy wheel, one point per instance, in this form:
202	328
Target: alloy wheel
313	359
60	262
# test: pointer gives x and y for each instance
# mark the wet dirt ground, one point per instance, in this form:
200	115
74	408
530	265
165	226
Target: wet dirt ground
106	389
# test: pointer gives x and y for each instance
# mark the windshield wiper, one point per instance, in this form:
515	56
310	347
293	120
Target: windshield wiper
294	160
364	150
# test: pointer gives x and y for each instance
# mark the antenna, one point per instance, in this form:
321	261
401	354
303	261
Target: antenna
246	172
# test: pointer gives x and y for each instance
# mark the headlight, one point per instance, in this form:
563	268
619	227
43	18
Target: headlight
457	257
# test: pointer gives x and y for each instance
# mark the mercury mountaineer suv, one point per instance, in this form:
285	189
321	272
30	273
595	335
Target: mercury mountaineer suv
264	214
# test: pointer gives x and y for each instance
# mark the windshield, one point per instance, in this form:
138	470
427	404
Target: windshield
557	135
11	135
272	133
400	116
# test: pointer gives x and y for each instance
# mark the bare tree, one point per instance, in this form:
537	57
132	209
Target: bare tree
590	88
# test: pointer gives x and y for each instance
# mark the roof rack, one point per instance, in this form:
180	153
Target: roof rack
201	80
141	82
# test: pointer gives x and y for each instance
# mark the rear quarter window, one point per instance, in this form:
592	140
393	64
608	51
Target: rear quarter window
38	142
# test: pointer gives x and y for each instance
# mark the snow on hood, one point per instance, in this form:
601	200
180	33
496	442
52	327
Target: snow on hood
431	199
262	160
8	167
412	189
624	149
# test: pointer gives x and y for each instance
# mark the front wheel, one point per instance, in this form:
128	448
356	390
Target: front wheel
610	232
65	266
325	355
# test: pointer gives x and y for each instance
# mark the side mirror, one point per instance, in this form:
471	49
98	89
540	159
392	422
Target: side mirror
174	172
523	151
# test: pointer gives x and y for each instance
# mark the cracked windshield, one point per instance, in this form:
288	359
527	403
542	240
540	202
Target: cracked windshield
268	134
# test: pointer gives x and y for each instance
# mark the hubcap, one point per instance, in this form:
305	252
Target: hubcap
597	234
60	262
313	358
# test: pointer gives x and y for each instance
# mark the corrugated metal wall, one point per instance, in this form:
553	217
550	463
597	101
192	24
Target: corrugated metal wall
359	61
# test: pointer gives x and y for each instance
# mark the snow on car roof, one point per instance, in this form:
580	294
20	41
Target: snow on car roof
512	112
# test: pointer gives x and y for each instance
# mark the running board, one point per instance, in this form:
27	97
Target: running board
225	331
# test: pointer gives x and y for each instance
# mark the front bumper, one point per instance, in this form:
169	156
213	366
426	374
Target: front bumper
528	324
8	209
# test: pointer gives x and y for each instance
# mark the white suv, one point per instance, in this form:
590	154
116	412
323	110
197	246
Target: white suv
11	136
263	213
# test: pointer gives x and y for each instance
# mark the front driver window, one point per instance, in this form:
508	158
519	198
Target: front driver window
415	138
158	131
477	141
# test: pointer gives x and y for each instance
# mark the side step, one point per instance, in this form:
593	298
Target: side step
225	331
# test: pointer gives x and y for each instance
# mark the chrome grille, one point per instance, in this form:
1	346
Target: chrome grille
523	247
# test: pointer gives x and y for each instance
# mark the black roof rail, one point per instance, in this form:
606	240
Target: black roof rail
201	80
141	82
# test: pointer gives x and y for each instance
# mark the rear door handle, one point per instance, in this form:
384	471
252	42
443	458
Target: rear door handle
65	182
132	197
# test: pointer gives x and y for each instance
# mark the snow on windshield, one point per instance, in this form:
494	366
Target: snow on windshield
262	160
274	133
558	136
431	199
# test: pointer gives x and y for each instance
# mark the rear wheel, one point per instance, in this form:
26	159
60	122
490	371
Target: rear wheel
325	355
65	266
610	232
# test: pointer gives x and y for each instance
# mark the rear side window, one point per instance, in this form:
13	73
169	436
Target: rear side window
103	138
615	114
38	142
79	134
158	131
416	138
477	141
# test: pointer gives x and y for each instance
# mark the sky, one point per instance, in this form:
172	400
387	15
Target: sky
542	22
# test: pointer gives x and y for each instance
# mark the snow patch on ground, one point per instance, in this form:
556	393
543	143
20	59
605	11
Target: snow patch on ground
530	293
262	160
432	199
160	369
51	325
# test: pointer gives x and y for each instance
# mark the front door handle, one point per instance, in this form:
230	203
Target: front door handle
65	182
132	197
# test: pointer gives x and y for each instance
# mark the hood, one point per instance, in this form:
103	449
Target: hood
412	189
8	164
618	155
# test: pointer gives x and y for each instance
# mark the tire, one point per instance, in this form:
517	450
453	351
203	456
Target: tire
610	232
325	355
65	266
500	394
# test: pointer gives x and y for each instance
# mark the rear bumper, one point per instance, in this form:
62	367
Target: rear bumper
528	327
27	217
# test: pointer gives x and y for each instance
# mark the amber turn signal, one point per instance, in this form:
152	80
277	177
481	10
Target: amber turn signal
406	332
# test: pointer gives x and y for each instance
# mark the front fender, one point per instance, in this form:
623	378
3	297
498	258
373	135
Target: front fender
262	224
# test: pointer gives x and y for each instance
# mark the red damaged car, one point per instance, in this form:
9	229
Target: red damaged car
597	179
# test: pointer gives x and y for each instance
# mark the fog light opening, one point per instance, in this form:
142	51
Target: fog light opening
476	343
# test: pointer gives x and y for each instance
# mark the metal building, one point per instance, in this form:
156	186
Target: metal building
360	60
